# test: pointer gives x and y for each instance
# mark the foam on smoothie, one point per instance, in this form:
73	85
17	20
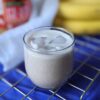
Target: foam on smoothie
49	40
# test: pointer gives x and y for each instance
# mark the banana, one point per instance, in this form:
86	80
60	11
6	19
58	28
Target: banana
82	27
84	1
79	11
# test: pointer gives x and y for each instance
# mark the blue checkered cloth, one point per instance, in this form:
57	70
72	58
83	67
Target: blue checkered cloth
84	84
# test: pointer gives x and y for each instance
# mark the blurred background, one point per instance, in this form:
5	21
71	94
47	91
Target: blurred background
81	17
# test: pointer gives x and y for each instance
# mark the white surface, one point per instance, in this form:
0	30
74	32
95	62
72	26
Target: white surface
11	42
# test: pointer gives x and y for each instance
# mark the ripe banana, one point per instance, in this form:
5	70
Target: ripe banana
79	11
84	1
82	27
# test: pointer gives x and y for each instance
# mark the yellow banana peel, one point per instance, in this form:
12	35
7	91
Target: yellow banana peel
82	27
83	1
79	11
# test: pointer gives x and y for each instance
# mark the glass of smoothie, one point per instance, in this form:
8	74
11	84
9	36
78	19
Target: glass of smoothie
48	55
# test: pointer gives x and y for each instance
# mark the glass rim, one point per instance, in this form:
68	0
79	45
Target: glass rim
64	31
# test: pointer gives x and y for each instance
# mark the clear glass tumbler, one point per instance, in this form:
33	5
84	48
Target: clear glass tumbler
48	56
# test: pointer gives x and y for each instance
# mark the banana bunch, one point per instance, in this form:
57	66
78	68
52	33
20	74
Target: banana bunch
79	16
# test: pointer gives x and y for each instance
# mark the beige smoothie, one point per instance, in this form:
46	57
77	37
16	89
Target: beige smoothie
48	56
